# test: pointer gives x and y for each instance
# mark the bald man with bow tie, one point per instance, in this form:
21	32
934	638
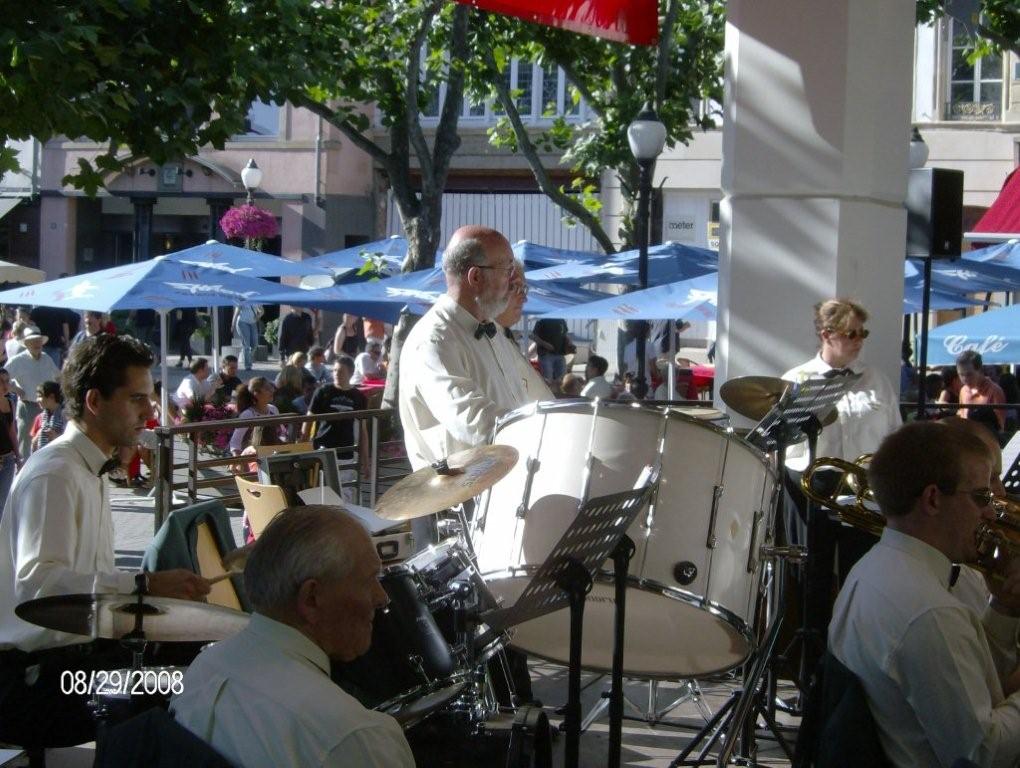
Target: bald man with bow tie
455	377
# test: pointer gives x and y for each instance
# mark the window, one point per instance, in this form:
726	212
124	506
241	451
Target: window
541	94
975	90
262	121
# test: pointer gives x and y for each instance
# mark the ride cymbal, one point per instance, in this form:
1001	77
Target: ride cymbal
753	396
112	616
435	488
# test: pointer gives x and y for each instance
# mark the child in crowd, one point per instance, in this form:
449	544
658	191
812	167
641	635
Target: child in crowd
48	425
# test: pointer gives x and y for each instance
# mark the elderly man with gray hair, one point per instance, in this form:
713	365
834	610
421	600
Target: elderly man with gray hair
264	697
455	379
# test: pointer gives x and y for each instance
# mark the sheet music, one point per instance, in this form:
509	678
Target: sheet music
323	494
813	397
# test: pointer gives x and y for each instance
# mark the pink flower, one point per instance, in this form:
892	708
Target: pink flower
250	222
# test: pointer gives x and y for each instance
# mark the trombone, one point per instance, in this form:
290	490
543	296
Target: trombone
853	502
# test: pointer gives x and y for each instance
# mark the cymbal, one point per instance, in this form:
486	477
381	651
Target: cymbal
428	491
112	616
754	396
235	560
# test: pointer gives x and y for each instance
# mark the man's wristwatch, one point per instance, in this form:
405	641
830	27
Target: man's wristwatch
142	583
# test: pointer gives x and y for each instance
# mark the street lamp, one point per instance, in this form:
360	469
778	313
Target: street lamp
646	136
251	177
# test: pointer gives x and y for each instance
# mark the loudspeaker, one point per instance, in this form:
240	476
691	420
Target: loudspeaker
934	213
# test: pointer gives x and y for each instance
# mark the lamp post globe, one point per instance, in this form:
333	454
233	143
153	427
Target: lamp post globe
251	177
647	137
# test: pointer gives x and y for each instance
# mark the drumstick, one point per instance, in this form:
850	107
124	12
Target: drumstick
221	577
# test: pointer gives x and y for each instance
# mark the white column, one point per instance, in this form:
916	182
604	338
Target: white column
815	136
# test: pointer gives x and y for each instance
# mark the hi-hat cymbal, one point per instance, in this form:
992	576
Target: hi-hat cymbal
753	396
431	490
113	616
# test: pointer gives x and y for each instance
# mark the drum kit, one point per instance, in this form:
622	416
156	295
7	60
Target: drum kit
698	588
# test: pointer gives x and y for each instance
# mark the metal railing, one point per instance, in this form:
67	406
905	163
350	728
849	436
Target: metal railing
165	486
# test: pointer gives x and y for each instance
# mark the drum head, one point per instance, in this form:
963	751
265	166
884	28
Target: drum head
669	634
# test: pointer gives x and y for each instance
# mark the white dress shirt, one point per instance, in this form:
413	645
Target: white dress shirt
367	367
192	390
56	537
597	386
932	668
263	699
866	413
28	372
453	387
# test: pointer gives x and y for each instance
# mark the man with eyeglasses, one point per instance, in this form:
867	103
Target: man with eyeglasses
932	666
454	382
865	414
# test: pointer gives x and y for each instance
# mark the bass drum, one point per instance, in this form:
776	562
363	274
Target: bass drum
695	574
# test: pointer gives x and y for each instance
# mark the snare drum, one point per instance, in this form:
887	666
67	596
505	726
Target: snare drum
694	577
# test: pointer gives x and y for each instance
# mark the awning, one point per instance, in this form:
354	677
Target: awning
626	21
1004	215
8	204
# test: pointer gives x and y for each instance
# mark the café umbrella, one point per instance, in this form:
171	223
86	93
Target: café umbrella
160	284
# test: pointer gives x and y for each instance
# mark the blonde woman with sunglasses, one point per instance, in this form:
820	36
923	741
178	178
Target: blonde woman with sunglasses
865	415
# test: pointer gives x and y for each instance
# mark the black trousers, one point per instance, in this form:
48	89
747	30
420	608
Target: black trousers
833	549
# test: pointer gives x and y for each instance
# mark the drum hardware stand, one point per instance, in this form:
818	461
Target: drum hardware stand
566	577
652	713
738	715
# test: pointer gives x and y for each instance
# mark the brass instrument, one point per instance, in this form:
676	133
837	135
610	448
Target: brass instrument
998	541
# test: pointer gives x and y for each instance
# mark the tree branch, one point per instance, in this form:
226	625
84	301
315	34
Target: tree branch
447	139
356	137
564	201
412	113
665	43
570	72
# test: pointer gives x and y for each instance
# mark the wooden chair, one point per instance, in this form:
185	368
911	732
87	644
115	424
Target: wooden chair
272	450
261	503
210	565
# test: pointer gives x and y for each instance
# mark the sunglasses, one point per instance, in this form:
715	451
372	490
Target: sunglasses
852	335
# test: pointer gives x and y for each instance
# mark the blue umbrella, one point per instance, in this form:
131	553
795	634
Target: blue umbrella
959	276
536	256
1005	255
384	299
912	300
686	299
393	251
667	263
995	334
242	261
159	284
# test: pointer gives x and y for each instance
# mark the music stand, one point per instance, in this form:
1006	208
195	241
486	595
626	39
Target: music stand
791	418
1011	465
566	577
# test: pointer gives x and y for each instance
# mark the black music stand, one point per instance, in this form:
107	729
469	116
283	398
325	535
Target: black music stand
1011	465
565	578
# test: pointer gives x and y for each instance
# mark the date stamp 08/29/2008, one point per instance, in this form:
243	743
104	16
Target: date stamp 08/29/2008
163	681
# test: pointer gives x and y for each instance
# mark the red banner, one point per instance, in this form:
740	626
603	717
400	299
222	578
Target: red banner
626	21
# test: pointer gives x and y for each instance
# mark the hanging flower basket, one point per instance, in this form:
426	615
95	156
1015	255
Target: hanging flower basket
250	223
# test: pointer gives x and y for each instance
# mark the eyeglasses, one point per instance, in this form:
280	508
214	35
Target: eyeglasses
853	334
982	497
507	269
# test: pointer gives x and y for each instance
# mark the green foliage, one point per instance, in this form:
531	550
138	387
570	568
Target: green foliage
272	332
997	27
615	80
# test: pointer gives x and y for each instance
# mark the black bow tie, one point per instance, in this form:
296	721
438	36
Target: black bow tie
486	329
954	574
834	372
108	466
